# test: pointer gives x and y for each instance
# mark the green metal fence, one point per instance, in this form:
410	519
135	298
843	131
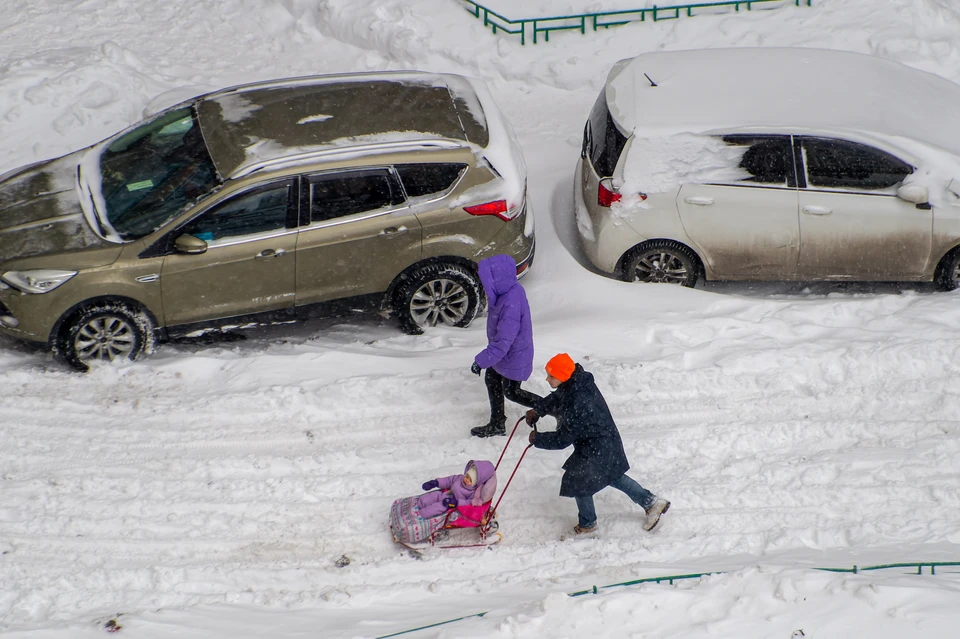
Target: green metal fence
541	28
932	565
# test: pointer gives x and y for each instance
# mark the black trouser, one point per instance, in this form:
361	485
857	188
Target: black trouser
499	387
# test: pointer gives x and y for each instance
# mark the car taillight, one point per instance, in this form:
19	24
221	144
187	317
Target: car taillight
605	193
607	196
496	207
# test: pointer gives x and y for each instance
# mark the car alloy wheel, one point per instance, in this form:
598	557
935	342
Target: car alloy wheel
947	275
439	301
106	332
661	266
436	294
105	338
664	262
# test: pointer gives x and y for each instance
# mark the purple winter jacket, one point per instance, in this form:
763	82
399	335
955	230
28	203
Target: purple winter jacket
431	504
509	348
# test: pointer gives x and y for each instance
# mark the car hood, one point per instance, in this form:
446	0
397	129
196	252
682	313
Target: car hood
40	211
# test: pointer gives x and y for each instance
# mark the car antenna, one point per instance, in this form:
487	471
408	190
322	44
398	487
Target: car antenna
652	83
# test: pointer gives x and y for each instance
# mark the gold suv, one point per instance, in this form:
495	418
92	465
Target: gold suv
266	202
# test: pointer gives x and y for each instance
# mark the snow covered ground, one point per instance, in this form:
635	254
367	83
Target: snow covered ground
209	490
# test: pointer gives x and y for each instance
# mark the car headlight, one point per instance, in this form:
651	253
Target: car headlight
38	281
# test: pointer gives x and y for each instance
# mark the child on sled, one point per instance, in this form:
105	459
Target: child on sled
457	501
475	487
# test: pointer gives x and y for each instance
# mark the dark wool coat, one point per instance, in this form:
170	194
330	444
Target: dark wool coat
583	420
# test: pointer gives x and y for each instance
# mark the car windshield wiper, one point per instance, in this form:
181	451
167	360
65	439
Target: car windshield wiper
85	189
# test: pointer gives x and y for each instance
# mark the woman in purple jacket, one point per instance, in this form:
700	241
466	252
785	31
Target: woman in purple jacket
508	357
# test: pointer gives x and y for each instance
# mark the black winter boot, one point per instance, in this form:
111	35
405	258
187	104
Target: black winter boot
491	429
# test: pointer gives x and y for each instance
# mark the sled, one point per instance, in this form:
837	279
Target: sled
463	527
466	526
457	537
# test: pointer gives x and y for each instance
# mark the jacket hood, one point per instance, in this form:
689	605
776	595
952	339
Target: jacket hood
486	485
40	211
498	274
578	376
485	470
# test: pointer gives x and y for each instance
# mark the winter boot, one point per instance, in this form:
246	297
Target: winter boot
491	429
579	532
655	512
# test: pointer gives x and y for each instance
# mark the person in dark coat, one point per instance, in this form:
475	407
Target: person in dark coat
508	357
598	458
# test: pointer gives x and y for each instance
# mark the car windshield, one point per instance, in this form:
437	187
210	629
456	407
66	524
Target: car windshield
151	173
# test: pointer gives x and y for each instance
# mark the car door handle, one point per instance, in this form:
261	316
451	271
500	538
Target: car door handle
817	210
393	230
699	201
265	253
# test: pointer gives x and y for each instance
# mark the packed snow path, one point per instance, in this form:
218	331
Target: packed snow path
788	425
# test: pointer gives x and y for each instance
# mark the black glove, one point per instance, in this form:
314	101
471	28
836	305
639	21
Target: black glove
532	417
430	485
475	369
450	502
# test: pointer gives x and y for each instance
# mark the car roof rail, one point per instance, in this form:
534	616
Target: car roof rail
342	152
358	76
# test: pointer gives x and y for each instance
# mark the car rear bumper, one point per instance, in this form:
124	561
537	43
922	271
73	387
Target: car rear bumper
524	265
586	225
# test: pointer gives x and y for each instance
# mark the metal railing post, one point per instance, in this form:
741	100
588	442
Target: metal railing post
545	24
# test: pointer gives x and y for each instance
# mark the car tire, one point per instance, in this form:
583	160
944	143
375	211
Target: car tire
947	275
437	294
662	261
105	332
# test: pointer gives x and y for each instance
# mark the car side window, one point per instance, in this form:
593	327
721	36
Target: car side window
840	164
343	193
767	159
260	211
425	179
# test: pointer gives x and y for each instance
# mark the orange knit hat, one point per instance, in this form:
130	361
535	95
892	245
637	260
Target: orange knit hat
561	367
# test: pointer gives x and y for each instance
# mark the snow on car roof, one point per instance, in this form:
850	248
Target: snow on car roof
715	89
267	121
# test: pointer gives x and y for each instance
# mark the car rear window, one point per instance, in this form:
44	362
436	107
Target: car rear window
425	179
768	159
345	193
602	140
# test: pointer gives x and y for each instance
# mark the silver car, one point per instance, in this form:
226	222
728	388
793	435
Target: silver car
771	164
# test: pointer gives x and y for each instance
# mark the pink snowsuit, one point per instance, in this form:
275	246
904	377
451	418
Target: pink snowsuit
431	504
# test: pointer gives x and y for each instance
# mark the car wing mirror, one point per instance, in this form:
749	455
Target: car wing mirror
913	193
190	244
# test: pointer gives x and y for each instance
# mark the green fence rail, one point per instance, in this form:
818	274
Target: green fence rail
933	565
538	27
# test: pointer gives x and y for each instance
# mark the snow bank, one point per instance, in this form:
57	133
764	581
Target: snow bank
212	488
